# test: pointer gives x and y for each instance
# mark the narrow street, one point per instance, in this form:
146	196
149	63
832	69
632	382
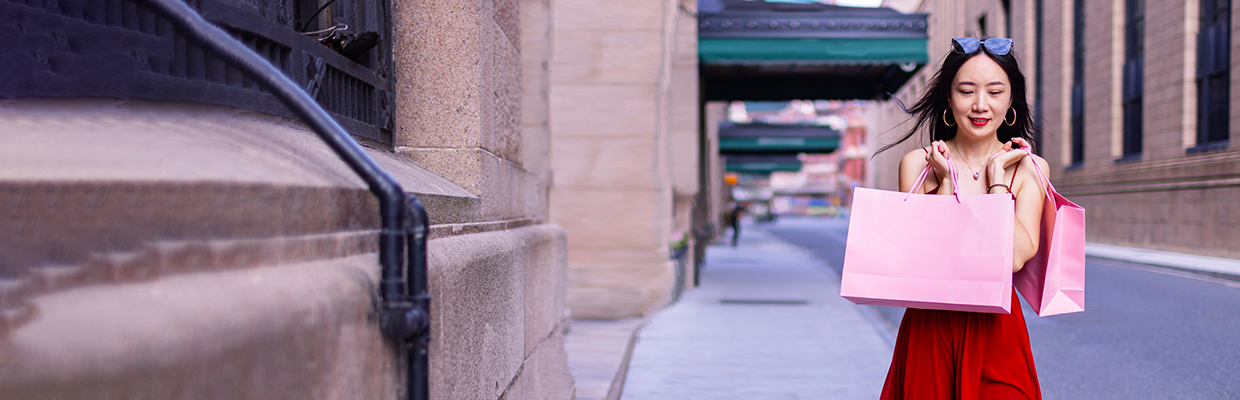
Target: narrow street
1146	333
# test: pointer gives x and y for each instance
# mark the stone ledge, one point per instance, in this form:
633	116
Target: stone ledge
184	335
446	230
497	296
109	140
1186	170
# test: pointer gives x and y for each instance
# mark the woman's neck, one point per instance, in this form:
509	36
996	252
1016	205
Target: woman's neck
975	148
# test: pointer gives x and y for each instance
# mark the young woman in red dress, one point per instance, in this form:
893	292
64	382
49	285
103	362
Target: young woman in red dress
977	115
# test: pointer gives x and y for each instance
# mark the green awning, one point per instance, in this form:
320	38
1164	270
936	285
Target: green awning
823	51
762	167
779	144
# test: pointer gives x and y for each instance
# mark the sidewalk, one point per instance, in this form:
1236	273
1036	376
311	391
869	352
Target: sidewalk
1224	268
598	355
767	322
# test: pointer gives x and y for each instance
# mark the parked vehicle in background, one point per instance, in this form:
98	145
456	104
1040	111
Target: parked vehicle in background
761	211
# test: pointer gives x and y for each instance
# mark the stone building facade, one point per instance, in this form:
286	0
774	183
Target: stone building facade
171	249
625	152
1152	159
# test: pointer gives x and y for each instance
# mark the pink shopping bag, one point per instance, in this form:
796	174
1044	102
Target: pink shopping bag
1053	281
930	251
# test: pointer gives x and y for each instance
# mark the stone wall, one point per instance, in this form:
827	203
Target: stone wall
173	250
615	124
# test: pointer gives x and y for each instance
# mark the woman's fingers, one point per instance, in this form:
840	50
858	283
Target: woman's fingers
1009	157
1024	144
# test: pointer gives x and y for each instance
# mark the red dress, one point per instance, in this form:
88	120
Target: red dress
957	355
945	355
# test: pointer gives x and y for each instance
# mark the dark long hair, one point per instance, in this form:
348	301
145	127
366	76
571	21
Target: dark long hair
928	111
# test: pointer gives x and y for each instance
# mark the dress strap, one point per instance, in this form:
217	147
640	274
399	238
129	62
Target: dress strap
1013	183
1014	171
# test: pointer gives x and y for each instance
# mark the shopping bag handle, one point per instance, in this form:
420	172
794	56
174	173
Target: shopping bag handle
921	180
1042	177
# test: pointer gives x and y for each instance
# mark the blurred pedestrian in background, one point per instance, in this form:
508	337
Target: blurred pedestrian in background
734	221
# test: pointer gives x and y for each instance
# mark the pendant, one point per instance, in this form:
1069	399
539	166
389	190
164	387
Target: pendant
976	175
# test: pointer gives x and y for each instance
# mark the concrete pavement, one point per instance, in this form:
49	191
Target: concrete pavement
767	322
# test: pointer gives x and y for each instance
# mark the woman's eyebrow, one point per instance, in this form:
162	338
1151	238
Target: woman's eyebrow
999	83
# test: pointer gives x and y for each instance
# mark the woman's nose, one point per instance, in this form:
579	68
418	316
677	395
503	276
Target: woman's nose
979	103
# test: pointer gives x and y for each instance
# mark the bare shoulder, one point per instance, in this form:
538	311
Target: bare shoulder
1041	163
1034	158
913	161
1027	174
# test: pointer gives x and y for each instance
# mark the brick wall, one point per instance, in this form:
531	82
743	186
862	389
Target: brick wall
1168	199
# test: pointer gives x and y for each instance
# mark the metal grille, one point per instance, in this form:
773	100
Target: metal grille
114	48
347	96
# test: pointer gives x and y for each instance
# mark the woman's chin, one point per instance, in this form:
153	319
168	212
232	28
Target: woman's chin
979	132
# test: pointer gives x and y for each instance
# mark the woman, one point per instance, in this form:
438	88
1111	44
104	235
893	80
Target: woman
978	117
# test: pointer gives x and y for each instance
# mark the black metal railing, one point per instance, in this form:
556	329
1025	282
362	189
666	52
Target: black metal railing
157	48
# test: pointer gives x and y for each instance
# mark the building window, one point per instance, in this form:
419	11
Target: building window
1037	70
1006	6
1078	82
1134	66
1213	76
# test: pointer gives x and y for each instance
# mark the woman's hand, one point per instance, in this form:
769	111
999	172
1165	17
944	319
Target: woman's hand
938	155
1011	152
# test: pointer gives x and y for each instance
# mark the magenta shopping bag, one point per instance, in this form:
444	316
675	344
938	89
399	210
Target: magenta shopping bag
930	251
1053	281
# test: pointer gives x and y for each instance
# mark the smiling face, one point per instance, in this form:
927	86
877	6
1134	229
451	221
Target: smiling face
980	96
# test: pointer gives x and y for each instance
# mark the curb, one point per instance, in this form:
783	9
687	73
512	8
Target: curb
1213	267
617	384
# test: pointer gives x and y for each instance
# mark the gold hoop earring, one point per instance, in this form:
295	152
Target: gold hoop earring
945	118
1013	117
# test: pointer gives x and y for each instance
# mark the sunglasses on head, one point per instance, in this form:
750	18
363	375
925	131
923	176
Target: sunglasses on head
996	46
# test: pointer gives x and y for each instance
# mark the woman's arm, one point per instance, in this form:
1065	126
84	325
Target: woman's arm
1030	196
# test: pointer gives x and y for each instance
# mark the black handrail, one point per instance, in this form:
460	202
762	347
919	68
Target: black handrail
406	305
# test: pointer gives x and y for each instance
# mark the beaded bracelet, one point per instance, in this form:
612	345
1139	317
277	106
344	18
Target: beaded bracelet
1005	186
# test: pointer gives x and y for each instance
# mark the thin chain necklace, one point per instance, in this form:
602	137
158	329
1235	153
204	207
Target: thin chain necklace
976	174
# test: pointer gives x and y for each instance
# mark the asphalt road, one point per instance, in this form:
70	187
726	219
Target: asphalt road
1146	333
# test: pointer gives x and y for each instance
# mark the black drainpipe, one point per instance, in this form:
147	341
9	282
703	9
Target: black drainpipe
405	309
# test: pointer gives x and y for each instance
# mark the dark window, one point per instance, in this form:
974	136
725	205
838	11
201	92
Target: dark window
1078	81
134	54
1006	6
981	26
1037	73
1134	66
1213	76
